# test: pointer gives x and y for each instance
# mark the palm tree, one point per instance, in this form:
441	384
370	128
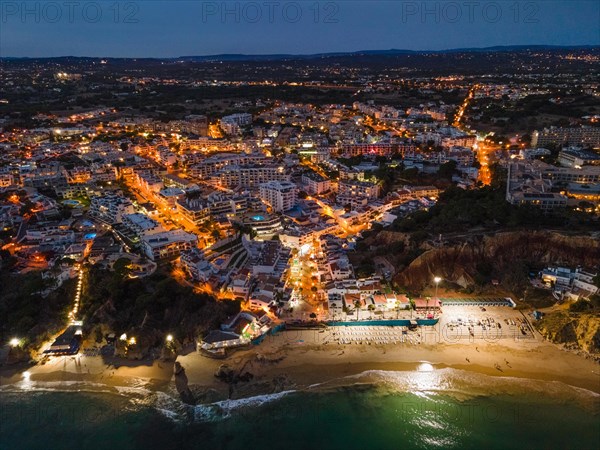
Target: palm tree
371	308
357	305
333	308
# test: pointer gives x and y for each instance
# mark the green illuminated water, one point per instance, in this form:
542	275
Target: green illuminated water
379	410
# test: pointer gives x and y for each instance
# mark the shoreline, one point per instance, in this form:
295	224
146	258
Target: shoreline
298	361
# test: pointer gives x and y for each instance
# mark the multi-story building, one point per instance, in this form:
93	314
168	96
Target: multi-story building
423	191
543	200
268	258
381	149
222	205
583	175
280	195
45	176
165	157
447	137
193	124
263	224
78	175
194	263
216	205
461	155
296	238
149	182
111	208
576	283
577	158
76	190
168	244
196	211
356	188
103	173
141	224
170	196
586	136
316	155
525	186
233	123
314	183
205	145
208	166
249	176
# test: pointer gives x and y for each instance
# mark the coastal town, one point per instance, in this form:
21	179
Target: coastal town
268	209
272	213
337	225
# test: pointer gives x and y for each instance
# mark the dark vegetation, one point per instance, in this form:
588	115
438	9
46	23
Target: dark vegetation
28	315
460	210
152	306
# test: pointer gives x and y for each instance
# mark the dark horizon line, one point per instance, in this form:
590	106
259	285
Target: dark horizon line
275	56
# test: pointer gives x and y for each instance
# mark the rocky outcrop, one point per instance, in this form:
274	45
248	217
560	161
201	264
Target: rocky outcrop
181	384
225	373
459	263
575	331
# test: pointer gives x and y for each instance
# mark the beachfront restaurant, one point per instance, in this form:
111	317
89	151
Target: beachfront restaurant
428	304
240	331
68	342
218	339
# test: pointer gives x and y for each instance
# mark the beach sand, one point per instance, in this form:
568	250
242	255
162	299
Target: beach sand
300	359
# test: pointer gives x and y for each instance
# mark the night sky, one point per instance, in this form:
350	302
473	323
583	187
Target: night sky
156	28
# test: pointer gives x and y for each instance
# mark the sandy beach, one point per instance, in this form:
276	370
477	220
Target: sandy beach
300	359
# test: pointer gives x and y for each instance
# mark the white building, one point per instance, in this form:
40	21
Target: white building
111	208
280	195
194	263
315	183
356	188
168	244
142	225
573	282
235	122
249	176
577	158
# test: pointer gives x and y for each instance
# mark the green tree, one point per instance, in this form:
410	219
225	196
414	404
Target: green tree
447	170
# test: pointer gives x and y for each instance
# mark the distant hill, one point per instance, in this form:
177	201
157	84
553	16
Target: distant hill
390	52
233	57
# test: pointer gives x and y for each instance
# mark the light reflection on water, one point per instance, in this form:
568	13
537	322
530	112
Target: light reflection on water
423	409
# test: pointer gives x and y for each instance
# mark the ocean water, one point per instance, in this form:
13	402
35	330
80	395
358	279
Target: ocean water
447	409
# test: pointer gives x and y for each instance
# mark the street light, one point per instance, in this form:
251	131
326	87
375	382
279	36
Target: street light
437	282
169	338
14	342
